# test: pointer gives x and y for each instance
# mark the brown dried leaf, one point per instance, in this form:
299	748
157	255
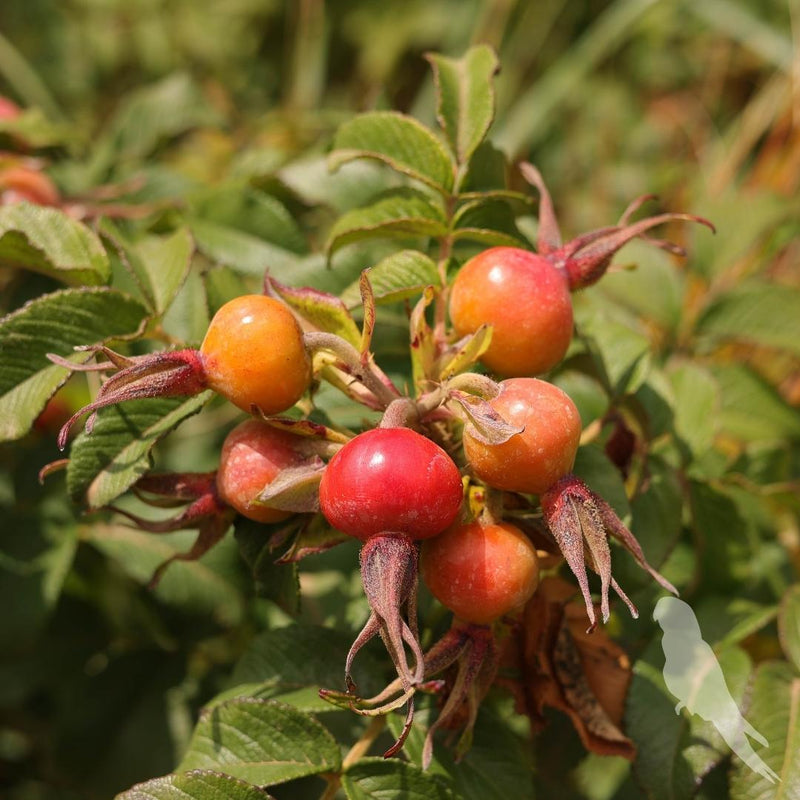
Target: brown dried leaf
584	675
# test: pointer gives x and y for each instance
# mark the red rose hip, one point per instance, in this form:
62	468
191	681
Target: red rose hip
391	480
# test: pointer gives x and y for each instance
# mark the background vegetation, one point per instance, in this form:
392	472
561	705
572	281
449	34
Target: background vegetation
214	116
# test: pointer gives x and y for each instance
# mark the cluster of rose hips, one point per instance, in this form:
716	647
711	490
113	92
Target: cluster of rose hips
400	488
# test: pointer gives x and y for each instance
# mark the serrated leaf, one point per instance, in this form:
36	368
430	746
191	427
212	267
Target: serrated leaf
399	213
496	767
324	311
198	784
379	779
465	97
654	291
261	741
399	141
286	662
774	711
208	586
162	263
107	462
759	313
397	277
54	323
489	221
696	407
46	240
789	624
728	549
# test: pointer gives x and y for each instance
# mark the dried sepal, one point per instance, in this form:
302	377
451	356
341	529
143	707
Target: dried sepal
586	258
575	515
206	512
486	425
295	488
177	373
389	574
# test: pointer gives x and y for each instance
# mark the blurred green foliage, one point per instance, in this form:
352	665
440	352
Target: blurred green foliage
224	109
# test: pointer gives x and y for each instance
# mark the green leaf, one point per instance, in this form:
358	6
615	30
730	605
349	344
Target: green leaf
623	353
751	409
385	779
244	209
789	624
261	741
324	311
490	222
465	97
46	240
399	141
496	767
399	213
696	408
276	582
107	462
397	277
353	184
196	785
728	549
286	662
653	291
207	587
161	264
758	313
675	751
156	113
655	516
774	711
54	323
239	250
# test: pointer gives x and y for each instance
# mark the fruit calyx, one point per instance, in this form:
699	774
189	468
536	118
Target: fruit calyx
575	514
586	258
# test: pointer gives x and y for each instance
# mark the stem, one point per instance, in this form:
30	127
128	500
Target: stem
356	752
363	372
445	251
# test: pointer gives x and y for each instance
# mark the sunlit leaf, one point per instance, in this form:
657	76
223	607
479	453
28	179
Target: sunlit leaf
401	213
397	277
195	785
107	462
397	140
261	741
54	323
46	240
465	97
